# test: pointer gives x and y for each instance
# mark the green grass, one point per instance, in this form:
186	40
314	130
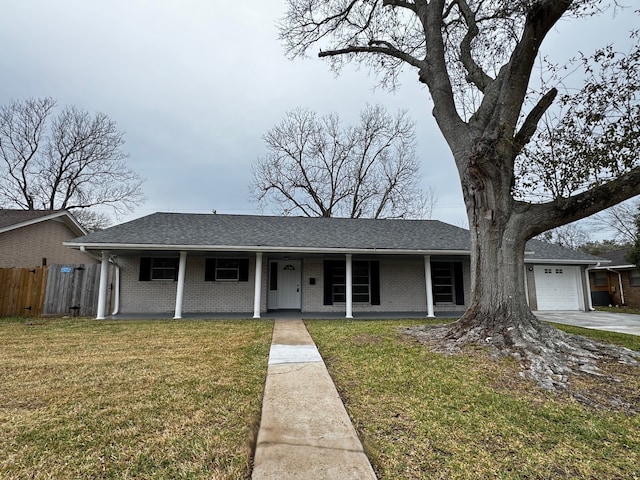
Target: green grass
633	310
136	399
628	341
429	416
181	399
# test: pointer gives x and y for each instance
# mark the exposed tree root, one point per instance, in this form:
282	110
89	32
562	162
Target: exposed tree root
547	355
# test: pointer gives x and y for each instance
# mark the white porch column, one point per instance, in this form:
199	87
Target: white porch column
102	286
257	291
349	286
429	284
182	266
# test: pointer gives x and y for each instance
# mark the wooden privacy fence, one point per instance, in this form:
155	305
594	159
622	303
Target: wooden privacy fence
54	290
73	290
22	291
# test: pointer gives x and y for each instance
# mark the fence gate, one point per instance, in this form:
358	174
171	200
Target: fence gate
73	290
22	291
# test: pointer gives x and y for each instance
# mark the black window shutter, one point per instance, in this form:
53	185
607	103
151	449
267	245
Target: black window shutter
328	282
210	270
375	282
273	276
243	272
176	266
145	269
459	284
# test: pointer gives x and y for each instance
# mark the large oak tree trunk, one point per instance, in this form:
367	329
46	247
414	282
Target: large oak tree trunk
498	303
498	312
498	316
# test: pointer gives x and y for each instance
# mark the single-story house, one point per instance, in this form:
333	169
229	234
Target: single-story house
213	263
33	238
617	282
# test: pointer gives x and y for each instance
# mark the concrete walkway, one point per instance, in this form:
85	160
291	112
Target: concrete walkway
609	321
305	432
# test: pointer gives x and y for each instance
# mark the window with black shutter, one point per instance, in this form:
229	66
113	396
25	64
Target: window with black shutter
158	268
365	278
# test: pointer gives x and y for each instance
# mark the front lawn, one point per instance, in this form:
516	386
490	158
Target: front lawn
633	310
130	399
429	416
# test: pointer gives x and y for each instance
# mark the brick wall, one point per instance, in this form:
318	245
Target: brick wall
159	296
631	293
402	289
27	246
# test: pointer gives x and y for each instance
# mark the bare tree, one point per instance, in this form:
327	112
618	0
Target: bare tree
476	59
621	220
317	168
634	253
72	160
571	236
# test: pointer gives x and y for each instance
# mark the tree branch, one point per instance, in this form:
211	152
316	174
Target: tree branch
475	73
514	76
399	3
530	124
386	48
566	210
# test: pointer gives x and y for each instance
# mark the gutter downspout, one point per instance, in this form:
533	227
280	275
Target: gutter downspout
589	299
116	292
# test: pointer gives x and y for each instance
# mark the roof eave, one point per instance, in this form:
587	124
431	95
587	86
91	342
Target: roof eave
614	267
71	222
561	261
260	248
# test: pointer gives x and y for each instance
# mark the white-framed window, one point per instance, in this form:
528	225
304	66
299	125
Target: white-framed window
360	282
158	268
634	277
360	278
226	270
365	282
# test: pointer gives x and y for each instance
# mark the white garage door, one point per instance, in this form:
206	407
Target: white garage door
557	287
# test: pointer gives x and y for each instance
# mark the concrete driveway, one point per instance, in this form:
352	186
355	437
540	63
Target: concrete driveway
612	322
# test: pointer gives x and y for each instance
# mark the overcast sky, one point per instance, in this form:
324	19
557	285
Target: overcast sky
195	84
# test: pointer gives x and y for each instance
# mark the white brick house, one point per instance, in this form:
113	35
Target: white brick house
170	263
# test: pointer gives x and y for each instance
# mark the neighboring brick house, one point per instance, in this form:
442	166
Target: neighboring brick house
32	238
246	264
616	283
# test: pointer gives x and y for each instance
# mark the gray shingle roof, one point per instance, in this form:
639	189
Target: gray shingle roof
618	258
296	232
255	231
543	251
13	217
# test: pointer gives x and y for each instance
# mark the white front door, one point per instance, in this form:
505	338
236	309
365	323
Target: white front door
289	284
